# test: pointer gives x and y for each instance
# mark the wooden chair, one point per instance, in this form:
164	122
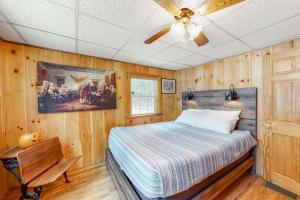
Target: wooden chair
42	164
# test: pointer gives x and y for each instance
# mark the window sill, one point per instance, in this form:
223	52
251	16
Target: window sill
144	115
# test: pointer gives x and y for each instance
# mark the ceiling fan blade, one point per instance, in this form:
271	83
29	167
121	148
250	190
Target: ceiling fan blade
158	35
168	5
216	5
201	39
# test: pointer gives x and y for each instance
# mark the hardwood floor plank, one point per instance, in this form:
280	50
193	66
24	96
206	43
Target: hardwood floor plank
95	183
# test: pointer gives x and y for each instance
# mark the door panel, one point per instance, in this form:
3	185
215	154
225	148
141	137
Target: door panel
297	63
297	101
282	66
284	144
282	101
282	119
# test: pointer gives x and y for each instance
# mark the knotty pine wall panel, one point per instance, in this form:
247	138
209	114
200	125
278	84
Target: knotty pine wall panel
4	176
81	133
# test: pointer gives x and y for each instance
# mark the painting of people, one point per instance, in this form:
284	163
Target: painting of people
63	88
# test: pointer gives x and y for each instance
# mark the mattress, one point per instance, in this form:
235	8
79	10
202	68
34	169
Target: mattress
166	158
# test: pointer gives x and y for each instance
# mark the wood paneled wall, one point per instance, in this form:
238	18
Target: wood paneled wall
243	71
4	186
81	133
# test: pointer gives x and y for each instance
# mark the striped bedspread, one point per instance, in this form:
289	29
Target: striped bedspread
167	158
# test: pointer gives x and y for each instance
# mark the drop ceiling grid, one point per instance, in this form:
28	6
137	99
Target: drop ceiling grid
99	44
265	37
71	4
9	32
127	43
128	14
228	23
35	14
258	14
91	49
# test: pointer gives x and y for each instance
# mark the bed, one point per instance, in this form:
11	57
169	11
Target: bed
176	161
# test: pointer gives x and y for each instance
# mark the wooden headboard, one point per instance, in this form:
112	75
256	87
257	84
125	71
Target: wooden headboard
215	99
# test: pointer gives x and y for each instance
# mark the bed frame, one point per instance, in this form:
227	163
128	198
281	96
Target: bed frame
213	185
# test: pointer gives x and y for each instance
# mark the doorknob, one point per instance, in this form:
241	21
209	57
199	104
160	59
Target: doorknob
268	125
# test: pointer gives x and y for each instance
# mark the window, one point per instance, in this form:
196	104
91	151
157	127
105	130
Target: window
143	95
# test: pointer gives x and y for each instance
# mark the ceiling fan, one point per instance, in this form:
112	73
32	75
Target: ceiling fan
184	29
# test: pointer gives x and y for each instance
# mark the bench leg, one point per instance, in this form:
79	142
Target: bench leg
24	191
66	177
35	195
38	191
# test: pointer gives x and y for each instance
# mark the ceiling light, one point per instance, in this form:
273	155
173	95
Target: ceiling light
194	30
179	32
185	33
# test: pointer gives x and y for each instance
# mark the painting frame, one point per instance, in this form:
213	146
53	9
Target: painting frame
165	83
66	88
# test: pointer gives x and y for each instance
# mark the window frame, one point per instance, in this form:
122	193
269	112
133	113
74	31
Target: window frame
158	93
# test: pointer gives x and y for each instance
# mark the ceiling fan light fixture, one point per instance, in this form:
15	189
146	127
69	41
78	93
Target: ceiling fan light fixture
178	31
194	30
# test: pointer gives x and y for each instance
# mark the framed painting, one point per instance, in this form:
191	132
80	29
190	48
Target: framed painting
62	88
168	86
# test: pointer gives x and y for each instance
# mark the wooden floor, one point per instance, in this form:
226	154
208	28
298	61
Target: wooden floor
95	183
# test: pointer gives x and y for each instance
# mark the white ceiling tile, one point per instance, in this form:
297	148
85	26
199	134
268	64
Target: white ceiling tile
175	66
40	14
102	33
282	31
67	3
95	50
159	19
224	12
47	40
258	14
153	62
232	48
172	53
214	35
194	60
136	45
193	4
167	38
190	46
128	57
129	14
200	20
8	32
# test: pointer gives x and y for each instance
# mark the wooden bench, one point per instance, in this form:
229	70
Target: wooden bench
42	164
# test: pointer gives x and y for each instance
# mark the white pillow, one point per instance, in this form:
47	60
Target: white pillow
189	117
218	121
214	123
232	116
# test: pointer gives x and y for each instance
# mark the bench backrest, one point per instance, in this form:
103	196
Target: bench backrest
37	159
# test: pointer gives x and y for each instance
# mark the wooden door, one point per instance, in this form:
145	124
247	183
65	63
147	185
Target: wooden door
282	119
